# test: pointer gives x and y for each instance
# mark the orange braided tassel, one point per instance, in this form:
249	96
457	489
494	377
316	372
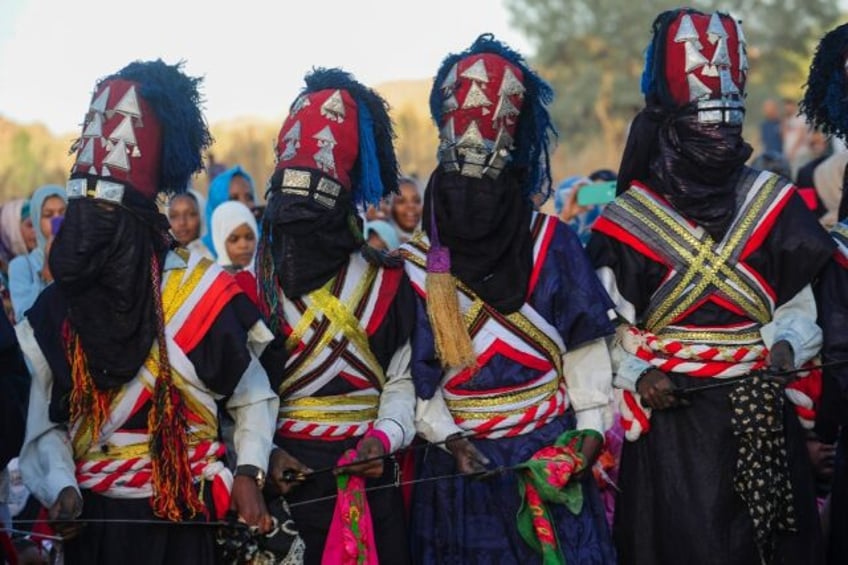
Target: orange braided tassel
173	484
89	405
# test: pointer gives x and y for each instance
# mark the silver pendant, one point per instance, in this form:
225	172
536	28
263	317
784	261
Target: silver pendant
686	31
94	128
709	71
721	58
728	87
450	104
87	153
447	134
333	108
697	89
292	139
505	109
447	85
475	98
100	103
510	86
128	105
476	72
124	132
472	138
715	30
117	157
694	57
299	104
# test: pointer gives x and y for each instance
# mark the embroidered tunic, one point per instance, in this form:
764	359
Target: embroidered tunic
538	367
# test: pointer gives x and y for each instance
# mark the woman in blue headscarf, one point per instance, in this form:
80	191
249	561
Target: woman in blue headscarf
232	184
29	273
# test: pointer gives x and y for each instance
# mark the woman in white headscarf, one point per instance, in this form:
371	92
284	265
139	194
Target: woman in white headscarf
234	234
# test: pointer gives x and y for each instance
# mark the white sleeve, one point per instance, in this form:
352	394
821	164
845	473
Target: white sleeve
46	460
795	322
395	417
253	406
433	419
588	376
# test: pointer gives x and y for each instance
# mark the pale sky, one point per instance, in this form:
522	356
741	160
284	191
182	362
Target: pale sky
253	53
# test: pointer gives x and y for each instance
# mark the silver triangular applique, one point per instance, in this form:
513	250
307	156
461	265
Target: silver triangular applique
105	172
94	128
136	152
333	107
510	85
299	104
503	141
117	157
505	110
128	104
472	138
324	158
450	80
728	87
715	30
325	136
475	98
697	89
694	58
686	31
124	131
292	139
447	133
450	104
709	71
740	35
100	103
92	171
477	71
87	153
721	58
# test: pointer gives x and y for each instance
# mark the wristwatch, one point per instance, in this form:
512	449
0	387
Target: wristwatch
253	472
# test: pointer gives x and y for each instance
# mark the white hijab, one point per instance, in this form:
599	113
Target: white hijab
225	219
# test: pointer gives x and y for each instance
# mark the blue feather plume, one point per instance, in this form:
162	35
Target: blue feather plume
535	133
175	99
825	101
376	172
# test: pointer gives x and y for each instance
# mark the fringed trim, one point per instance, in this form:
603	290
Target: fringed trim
89	404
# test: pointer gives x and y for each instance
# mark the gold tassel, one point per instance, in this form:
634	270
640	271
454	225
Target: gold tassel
453	344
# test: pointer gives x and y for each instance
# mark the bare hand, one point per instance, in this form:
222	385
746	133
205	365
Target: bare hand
280	463
68	507
591	449
247	501
781	358
468	458
370	450
657	390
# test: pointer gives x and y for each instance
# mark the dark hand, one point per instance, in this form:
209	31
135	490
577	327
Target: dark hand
68	506
781	358
247	501
822	456
591	449
468	458
368	448
656	390
279	464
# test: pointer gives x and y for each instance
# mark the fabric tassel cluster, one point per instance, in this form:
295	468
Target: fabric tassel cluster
453	343
88	404
173	484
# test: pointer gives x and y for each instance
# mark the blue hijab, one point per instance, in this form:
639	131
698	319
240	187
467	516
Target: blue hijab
219	192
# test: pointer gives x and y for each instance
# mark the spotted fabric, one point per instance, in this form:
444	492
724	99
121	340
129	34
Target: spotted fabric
762	472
